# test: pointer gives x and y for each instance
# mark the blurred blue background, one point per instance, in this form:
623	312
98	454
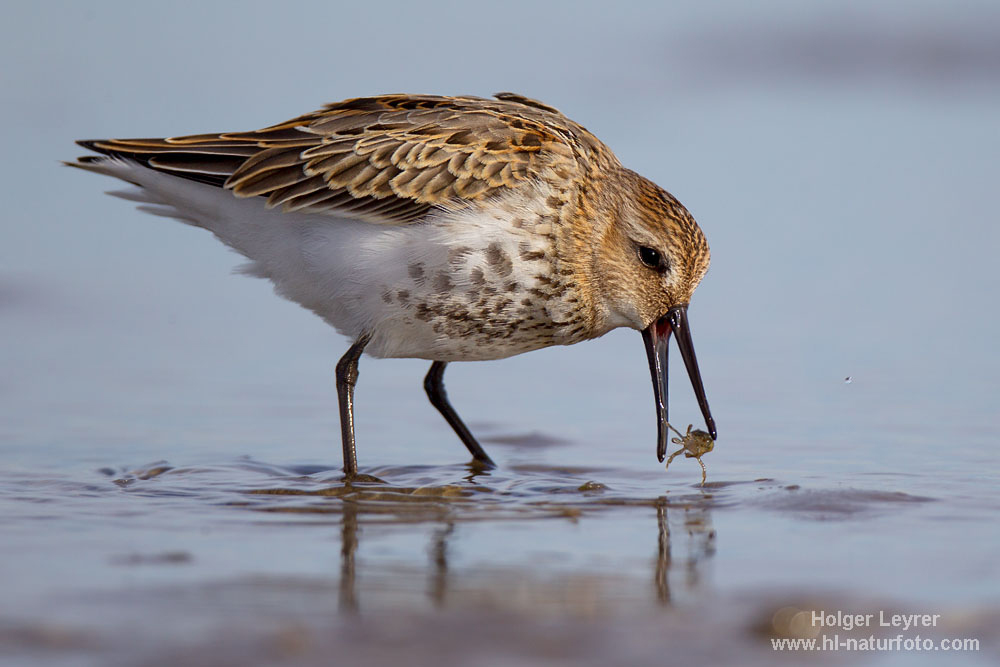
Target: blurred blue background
840	156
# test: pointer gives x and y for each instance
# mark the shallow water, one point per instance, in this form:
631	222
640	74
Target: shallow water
153	564
169	485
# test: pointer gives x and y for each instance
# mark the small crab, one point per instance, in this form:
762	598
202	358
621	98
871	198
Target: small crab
694	444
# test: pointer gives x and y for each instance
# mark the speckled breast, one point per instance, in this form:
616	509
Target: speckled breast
479	285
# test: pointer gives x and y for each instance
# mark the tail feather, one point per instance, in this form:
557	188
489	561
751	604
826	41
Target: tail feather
99	164
181	161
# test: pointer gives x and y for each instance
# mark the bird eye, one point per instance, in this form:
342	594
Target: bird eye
652	259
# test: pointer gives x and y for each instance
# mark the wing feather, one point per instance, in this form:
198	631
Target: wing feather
388	159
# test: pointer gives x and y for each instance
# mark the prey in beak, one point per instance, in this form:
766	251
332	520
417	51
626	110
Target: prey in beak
656	336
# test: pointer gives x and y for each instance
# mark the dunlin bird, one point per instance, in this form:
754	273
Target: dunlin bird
440	228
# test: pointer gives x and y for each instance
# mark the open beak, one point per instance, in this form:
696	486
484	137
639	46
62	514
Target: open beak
656	336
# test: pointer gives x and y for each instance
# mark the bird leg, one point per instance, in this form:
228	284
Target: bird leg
434	386
347	377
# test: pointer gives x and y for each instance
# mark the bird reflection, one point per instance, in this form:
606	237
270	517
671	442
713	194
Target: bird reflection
439	564
685	540
348	548
661	576
700	545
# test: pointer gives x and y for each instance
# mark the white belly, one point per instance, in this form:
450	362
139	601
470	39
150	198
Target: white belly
461	286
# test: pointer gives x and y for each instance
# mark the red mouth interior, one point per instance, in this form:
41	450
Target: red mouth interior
663	329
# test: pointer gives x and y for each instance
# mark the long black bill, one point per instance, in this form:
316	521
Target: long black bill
656	336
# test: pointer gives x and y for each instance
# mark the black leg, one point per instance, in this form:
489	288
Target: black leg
347	377
434	386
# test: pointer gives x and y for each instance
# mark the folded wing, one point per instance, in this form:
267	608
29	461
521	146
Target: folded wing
386	159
